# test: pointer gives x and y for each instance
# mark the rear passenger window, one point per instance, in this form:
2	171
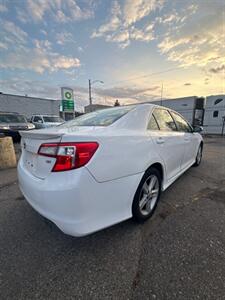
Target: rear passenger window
152	125
164	120
182	125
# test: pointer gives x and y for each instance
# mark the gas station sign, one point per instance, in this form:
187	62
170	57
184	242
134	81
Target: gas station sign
67	99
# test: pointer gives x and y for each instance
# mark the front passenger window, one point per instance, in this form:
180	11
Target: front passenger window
182	125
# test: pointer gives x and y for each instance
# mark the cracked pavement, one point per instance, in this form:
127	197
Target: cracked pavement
178	254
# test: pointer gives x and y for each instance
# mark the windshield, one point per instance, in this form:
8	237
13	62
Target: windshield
52	119
103	117
7	118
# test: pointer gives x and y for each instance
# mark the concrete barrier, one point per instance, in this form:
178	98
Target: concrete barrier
7	153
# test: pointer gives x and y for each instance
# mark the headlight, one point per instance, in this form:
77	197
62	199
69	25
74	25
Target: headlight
4	126
31	126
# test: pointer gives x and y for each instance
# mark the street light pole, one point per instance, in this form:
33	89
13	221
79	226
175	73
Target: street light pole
89	87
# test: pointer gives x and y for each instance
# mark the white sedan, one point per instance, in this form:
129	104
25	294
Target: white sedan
106	166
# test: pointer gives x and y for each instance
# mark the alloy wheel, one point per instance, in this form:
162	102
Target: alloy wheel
149	195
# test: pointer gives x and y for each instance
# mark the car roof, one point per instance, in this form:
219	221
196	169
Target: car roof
39	115
149	104
154	106
9	113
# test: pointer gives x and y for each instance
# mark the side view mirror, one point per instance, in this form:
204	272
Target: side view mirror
197	128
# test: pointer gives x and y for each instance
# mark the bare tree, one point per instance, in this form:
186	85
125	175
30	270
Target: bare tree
117	103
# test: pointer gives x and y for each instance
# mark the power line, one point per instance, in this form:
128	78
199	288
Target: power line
147	75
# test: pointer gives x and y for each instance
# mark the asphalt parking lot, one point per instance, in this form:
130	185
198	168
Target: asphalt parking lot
178	254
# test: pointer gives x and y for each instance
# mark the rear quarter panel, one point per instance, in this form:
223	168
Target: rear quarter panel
122	155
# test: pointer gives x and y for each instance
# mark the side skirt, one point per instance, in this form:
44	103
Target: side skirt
168	183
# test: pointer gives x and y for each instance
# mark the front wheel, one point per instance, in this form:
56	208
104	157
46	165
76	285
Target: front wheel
147	195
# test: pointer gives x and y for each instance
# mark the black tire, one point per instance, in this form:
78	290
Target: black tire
197	159
138	215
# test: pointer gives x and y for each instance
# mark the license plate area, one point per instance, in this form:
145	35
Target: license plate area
30	161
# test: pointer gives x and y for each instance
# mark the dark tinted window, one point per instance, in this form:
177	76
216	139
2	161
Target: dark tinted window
218	101
152	125
37	119
215	114
164	120
182	125
8	118
103	117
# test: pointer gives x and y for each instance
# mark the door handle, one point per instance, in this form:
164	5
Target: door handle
186	139
160	140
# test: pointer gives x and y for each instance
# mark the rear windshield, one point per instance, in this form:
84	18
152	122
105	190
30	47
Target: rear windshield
103	117
7	118
52	119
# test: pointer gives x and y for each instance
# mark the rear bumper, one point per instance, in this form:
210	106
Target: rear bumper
76	202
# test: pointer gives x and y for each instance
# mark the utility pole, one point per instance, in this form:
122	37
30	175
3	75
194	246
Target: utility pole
89	87
90	99
161	94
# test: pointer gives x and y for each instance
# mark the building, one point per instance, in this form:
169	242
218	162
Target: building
192	108
214	114
209	112
94	107
28	105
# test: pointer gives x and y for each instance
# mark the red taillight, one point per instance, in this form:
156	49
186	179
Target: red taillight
69	155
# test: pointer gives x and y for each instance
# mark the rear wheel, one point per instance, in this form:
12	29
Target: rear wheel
147	195
198	156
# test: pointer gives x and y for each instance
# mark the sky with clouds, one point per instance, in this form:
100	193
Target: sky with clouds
134	46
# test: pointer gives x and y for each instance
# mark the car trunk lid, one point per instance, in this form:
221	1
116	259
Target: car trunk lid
39	166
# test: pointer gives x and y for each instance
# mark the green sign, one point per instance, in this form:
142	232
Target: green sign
68	105
67	99
68	95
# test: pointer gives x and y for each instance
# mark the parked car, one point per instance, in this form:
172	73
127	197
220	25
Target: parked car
106	166
45	121
11	123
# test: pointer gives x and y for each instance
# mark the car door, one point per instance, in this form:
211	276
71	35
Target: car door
167	141
188	139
